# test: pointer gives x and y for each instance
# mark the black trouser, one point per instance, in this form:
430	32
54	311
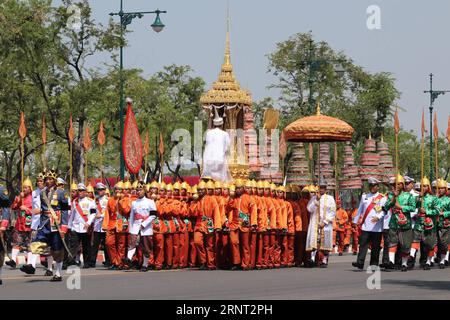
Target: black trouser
374	238
385	259
97	239
74	245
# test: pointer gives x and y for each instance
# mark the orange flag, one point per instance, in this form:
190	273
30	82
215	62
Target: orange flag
22	127
436	130
448	130
146	144
44	130
423	123
87	143
71	131
396	123
101	135
161	144
283	146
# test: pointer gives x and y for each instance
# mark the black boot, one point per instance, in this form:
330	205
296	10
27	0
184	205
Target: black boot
11	263
56	279
28	269
360	266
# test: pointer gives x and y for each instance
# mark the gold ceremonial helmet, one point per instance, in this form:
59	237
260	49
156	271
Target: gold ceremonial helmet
425	182
127	185
185	185
194	189
266	184
41	176
226	186
176	186
169	187
217	185
210	185
254	184
119	185
306	189
162	186
73	187
260	184
148	186
232	188
239	183
154	184
273	186
28	183
282	188
400	178
135	184
201	185
441	183
248	184
90	188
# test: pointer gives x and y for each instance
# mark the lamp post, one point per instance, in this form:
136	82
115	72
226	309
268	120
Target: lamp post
433	96
125	19
313	65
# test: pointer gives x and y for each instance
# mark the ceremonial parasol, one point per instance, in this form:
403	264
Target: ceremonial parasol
318	128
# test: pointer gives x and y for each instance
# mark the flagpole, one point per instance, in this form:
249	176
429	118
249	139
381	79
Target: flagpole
336	176
70	163
436	136
422	157
22	147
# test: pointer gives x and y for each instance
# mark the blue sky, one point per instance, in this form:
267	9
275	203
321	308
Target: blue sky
412	42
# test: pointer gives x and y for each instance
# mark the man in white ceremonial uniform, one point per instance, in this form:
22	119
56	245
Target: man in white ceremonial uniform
371	211
143	212
82	215
99	235
215	164
322	209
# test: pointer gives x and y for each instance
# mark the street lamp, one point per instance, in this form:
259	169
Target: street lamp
125	19
433	96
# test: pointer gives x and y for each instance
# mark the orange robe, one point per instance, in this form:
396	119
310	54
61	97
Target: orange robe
340	224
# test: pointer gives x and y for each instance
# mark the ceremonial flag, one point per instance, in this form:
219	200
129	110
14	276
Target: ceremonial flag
161	144
22	127
132	143
87	143
436	130
71	133
44	130
101	135
396	123
146	144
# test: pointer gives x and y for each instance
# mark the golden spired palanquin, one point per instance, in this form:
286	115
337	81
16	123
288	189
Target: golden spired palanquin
231	103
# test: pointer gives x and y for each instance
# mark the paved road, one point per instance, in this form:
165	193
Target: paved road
338	281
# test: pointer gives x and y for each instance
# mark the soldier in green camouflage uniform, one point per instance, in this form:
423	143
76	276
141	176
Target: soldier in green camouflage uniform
424	230
400	229
444	222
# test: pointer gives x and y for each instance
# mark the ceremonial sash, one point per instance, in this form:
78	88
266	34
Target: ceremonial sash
80	211
139	216
369	208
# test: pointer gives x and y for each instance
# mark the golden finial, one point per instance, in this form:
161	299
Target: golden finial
318	109
227	60
370	135
382	138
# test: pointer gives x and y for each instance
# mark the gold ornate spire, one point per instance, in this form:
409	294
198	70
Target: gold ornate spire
318	109
226	90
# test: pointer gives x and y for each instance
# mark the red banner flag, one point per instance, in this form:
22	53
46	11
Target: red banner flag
71	132
22	127
132	143
101	135
146	144
87	143
436	130
161	144
44	130
396	123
